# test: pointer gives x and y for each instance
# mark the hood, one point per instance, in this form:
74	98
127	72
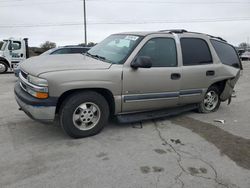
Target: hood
50	63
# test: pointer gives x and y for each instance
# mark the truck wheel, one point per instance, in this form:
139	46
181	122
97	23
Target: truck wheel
3	67
211	101
84	114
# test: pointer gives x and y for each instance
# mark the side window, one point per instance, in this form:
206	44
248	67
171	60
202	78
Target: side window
226	53
162	52
60	51
75	50
15	45
195	51
84	50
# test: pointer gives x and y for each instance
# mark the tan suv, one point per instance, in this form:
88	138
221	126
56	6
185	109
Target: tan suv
132	76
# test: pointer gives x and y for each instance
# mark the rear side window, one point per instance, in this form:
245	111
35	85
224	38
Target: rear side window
195	51
226	53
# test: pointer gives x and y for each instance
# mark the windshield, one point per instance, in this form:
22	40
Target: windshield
115	49
4	46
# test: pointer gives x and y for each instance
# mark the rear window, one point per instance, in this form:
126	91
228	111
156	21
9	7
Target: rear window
226	53
195	51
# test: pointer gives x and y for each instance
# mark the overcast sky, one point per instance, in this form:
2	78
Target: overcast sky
61	21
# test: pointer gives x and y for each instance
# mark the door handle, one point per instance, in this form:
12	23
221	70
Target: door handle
175	76
210	73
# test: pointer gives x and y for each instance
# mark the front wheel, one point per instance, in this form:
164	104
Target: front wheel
3	67
84	114
211	101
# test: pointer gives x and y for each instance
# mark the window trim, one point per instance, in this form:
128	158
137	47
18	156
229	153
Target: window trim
176	54
212	60
241	67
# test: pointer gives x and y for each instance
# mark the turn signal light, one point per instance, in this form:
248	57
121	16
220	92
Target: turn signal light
42	95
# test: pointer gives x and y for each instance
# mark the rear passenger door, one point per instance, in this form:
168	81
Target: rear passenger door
198	69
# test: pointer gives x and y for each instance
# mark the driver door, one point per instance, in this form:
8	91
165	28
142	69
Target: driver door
152	88
17	53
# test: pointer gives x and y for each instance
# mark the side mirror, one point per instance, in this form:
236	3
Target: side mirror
141	62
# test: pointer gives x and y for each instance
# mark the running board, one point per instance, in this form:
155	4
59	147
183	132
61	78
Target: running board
142	116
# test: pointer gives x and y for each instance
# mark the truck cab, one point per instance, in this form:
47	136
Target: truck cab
12	52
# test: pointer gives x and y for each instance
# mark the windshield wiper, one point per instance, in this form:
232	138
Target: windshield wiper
96	56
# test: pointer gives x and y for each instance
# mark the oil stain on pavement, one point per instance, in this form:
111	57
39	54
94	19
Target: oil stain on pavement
160	151
235	147
147	169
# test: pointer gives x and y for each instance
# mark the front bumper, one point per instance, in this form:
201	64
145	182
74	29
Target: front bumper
38	109
16	72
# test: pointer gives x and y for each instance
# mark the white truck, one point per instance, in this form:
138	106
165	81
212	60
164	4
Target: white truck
12	52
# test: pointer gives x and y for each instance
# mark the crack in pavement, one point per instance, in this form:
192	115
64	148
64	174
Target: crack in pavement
183	170
157	181
239	147
178	178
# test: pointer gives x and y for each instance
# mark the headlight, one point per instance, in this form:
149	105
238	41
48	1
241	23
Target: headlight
37	81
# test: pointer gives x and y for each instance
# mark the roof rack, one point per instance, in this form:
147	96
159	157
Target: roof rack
75	46
185	31
174	30
217	38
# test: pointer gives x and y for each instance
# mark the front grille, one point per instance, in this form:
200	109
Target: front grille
24	87
25	75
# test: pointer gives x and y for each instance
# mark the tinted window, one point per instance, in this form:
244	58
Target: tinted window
195	51
76	50
226	53
84	50
61	51
162	52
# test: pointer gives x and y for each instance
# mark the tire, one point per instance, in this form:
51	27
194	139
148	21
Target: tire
3	67
84	114
209	104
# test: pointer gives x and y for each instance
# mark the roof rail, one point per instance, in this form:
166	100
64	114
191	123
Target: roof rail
72	46
174	30
217	38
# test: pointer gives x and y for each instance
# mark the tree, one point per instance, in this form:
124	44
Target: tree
90	44
48	45
244	45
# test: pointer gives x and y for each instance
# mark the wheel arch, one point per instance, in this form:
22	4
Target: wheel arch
107	94
5	61
220	85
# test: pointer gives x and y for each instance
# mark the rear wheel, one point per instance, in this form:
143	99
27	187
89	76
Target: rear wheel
84	114
211	101
3	67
